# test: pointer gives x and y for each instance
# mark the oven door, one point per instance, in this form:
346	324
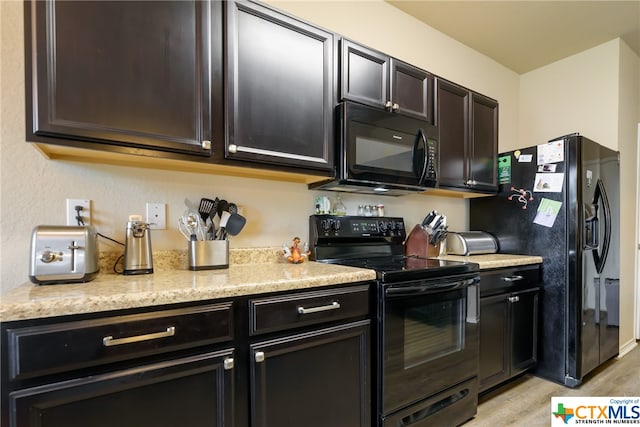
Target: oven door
429	338
387	148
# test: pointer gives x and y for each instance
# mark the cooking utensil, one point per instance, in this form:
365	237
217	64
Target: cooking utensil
183	228
211	229
205	208
235	224
231	224
224	218
192	220
190	205
223	206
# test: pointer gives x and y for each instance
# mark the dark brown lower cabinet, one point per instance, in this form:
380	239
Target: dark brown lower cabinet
508	335
191	391
280	359
314	379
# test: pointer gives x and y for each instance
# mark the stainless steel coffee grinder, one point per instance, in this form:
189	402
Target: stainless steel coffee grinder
137	251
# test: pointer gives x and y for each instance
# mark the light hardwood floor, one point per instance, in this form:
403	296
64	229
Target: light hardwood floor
527	400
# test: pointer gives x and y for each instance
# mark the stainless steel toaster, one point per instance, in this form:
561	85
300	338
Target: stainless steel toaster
471	243
64	254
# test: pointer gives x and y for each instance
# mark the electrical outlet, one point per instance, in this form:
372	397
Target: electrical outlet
156	216
85	213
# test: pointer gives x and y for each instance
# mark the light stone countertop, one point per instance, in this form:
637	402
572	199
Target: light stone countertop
251	271
490	261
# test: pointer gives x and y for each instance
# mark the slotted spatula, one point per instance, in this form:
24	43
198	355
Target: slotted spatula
205	208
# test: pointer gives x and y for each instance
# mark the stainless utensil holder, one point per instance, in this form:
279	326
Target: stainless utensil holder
208	254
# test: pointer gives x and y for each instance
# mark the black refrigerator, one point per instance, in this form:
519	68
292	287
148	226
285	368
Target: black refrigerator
561	200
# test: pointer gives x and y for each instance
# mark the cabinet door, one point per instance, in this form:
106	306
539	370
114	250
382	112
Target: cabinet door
524	330
280	89
411	91
364	75
453	124
133	74
314	379
142	396
494	341
484	142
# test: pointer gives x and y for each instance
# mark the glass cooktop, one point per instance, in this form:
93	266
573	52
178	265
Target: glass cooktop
403	268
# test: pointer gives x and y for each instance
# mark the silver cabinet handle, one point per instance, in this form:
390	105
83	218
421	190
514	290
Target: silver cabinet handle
110	341
233	148
206	145
514	299
388	105
512	278
333	306
395	107
228	363
259	356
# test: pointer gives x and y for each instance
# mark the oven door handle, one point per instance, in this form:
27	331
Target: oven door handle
400	291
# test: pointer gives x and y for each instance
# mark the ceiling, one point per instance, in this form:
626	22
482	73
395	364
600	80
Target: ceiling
525	35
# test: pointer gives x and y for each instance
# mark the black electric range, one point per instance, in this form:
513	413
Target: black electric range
425	321
376	243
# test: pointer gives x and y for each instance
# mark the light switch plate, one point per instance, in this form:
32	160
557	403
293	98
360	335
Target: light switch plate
157	216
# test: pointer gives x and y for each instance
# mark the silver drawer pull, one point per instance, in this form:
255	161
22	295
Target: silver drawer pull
514	299
228	363
512	278
259	356
110	341
333	306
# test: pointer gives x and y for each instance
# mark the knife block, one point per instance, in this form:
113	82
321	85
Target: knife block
417	244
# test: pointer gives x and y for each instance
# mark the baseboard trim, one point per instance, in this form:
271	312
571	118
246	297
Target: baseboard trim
626	348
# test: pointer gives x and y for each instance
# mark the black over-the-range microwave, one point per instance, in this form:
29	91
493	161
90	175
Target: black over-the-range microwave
382	152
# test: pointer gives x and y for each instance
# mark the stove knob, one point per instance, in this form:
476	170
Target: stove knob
382	226
337	225
400	225
391	226
325	225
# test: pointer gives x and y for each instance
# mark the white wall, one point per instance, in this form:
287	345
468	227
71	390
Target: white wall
33	190
595	93
577	94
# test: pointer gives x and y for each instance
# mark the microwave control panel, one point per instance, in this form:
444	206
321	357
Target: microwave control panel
432	160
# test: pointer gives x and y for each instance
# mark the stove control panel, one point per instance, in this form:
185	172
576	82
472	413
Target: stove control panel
363	227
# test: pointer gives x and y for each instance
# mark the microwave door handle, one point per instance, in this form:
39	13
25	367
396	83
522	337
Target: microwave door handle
420	157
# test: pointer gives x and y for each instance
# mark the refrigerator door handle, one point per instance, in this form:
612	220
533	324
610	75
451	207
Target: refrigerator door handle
600	195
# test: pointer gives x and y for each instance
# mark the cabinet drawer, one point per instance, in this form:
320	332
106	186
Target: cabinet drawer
509	279
58	347
309	308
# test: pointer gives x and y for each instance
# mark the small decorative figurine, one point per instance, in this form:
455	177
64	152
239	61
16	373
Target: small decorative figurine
295	254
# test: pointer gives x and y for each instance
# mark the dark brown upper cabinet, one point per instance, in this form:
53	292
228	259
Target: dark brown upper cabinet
468	126
378	80
280	88
134	75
